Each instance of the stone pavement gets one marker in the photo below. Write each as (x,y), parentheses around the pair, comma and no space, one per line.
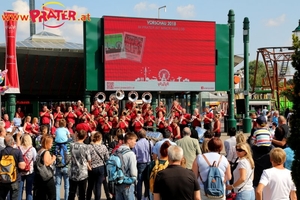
(223,137)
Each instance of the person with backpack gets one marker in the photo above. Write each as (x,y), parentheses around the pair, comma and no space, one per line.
(29,155)
(212,170)
(143,152)
(125,174)
(176,182)
(158,165)
(99,155)
(11,161)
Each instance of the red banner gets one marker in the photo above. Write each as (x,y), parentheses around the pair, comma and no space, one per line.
(159,54)
(12,77)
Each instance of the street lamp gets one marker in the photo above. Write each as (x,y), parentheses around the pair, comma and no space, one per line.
(165,7)
(297,30)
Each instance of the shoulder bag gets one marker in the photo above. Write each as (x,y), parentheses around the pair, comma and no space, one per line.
(44,171)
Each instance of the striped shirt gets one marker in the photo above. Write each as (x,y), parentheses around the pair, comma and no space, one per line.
(262,137)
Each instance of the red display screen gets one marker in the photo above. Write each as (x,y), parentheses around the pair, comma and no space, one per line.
(159,55)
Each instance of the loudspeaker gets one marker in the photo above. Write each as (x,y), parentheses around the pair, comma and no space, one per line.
(240,106)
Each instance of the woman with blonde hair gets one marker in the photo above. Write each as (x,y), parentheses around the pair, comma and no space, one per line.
(27,175)
(240,138)
(243,173)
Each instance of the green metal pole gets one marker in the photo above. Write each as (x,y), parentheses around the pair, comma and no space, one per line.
(11,107)
(231,120)
(246,120)
(87,101)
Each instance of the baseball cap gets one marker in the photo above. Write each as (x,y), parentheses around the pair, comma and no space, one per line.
(261,120)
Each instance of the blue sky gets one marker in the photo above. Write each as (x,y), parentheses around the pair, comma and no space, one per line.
(271,22)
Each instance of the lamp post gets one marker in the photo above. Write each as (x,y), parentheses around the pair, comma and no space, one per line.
(246,120)
(297,30)
(165,7)
(231,120)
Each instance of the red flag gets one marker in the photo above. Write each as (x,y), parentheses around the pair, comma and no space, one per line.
(12,77)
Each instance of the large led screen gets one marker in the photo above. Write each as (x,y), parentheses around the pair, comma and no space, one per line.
(159,54)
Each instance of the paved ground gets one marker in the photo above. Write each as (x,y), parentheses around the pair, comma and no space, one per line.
(223,137)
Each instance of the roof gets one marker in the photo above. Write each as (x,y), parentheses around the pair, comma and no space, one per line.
(47,41)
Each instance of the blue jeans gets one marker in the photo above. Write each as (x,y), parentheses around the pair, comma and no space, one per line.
(125,192)
(95,179)
(29,183)
(245,195)
(140,167)
(59,174)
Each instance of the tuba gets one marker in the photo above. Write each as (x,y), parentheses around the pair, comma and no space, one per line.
(133,96)
(120,94)
(100,97)
(112,96)
(147,97)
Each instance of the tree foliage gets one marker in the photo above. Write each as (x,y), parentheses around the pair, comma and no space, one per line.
(294,139)
(260,73)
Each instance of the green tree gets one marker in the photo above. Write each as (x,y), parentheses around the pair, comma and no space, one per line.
(260,73)
(294,139)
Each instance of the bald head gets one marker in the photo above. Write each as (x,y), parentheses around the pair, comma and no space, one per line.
(186,131)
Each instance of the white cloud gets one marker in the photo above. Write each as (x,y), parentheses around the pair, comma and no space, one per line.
(186,11)
(276,21)
(144,6)
(22,7)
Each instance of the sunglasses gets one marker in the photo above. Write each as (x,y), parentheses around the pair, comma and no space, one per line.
(240,150)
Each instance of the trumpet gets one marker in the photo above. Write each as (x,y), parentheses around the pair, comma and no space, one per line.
(115,113)
(193,118)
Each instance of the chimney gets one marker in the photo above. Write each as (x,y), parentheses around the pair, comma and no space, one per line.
(32,25)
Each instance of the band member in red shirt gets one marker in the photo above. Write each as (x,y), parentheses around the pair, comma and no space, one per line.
(6,121)
(27,125)
(70,116)
(149,121)
(196,119)
(207,119)
(161,108)
(106,128)
(160,122)
(176,108)
(138,122)
(35,126)
(21,113)
(175,129)
(58,115)
(83,125)
(123,124)
(45,115)
(92,123)
(95,108)
(185,118)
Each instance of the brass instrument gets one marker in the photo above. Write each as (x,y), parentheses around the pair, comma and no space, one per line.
(139,112)
(147,97)
(133,96)
(112,96)
(120,94)
(115,113)
(100,97)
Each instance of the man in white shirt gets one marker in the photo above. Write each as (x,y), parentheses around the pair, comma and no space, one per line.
(276,183)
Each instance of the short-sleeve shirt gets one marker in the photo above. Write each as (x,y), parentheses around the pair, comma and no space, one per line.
(16,153)
(80,153)
(262,137)
(176,182)
(278,184)
(247,184)
(31,157)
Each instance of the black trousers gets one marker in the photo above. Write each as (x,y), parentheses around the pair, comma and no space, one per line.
(44,189)
(81,185)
